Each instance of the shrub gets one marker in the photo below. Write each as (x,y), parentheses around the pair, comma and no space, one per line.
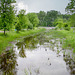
(18,27)
(30,26)
(66,26)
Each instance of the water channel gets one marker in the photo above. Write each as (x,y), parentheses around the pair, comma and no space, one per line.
(36,55)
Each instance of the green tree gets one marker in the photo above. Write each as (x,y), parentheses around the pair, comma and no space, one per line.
(24,20)
(33,19)
(70,8)
(41,15)
(18,27)
(51,16)
(47,19)
(7,14)
(21,17)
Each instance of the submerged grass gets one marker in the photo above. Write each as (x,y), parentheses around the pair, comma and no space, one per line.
(68,37)
(12,35)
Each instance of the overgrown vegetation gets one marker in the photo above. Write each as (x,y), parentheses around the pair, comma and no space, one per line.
(12,35)
(69,38)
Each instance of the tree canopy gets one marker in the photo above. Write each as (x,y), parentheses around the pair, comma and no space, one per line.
(33,19)
(7,14)
(70,8)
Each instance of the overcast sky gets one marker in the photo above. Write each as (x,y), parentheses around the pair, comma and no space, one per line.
(43,5)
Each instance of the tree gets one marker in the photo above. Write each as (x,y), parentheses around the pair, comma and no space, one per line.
(24,20)
(47,19)
(65,16)
(51,16)
(21,17)
(33,19)
(18,27)
(70,8)
(7,14)
(41,15)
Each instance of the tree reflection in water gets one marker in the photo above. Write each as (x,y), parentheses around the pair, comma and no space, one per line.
(28,43)
(8,63)
(70,64)
(21,46)
(8,59)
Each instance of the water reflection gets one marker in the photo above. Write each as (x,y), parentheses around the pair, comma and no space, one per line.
(21,46)
(8,63)
(30,43)
(70,64)
(49,59)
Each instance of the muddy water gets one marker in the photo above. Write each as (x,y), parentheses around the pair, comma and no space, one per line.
(36,55)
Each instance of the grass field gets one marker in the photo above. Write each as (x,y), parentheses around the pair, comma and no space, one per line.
(69,38)
(12,35)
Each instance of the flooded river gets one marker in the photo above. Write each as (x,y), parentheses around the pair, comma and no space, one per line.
(36,55)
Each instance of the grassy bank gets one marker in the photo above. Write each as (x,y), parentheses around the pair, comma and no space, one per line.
(69,38)
(12,35)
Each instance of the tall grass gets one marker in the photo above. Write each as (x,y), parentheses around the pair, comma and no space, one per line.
(12,35)
(69,37)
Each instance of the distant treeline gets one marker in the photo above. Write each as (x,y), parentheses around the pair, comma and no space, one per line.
(48,18)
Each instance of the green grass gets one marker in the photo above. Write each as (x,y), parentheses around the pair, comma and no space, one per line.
(12,35)
(56,34)
(68,42)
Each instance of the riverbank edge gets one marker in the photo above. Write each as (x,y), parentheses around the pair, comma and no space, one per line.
(7,41)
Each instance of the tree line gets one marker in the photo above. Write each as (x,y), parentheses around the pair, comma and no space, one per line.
(48,18)
(9,20)
(58,20)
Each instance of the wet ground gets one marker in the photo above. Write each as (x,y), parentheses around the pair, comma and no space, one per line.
(37,55)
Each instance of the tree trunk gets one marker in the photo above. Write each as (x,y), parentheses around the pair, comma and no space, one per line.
(4,31)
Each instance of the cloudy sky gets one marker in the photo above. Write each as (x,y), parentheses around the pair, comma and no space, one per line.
(43,5)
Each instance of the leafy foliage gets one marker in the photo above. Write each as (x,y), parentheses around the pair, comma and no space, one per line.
(33,19)
(70,8)
(48,19)
(18,27)
(7,14)
(66,26)
(41,16)
(59,23)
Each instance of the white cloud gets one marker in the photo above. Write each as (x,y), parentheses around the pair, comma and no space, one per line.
(21,5)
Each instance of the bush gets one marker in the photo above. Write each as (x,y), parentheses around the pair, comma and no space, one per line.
(66,26)
(30,26)
(18,27)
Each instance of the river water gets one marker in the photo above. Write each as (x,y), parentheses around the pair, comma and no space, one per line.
(36,55)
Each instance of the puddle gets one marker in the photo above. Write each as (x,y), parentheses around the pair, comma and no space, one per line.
(36,55)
